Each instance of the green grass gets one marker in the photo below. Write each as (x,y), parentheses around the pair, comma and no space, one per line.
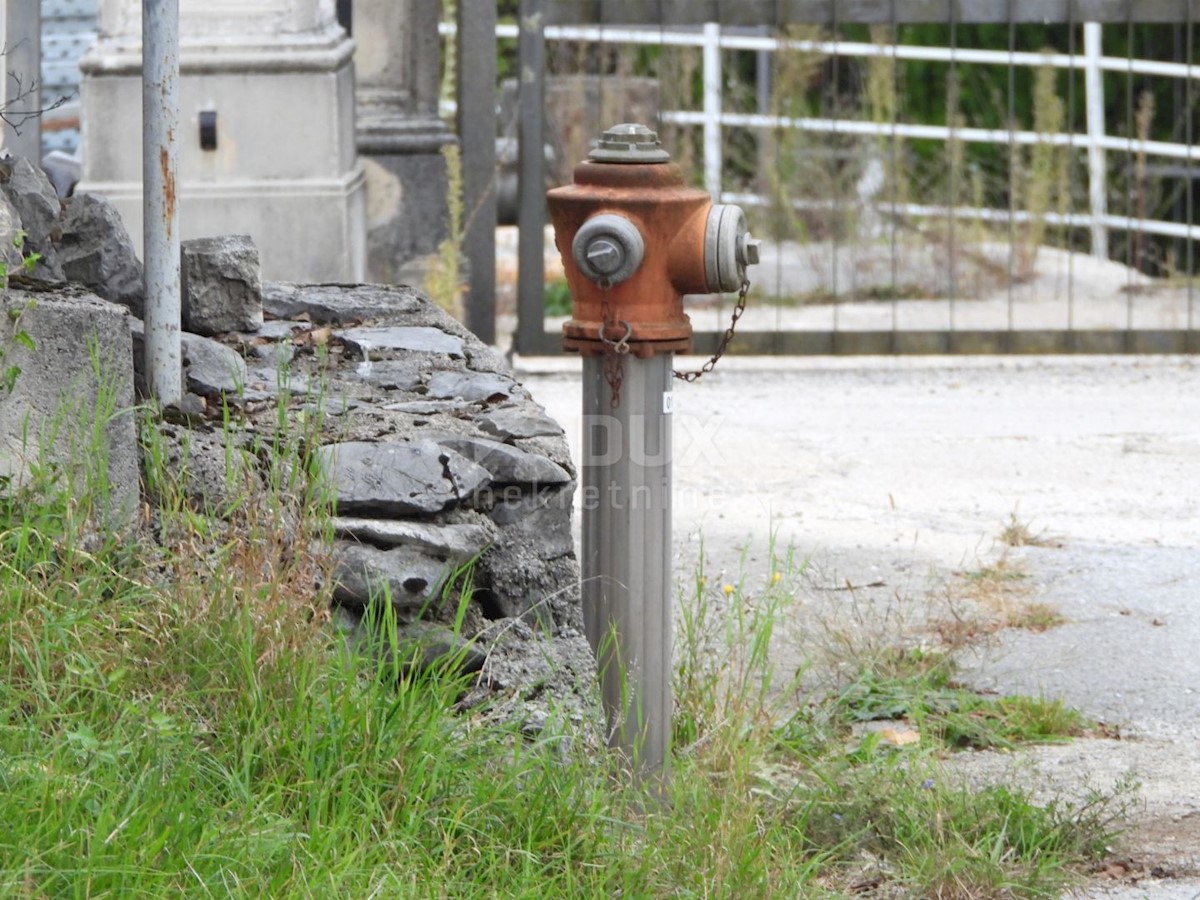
(177,717)
(918,689)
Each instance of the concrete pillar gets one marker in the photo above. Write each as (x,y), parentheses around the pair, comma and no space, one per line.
(400,135)
(267,121)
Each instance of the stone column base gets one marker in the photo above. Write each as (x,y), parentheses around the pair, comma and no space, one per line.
(279,162)
(311,229)
(407,189)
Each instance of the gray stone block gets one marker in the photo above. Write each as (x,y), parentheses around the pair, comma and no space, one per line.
(411,578)
(507,464)
(96,251)
(222,285)
(453,542)
(472,386)
(399,479)
(210,368)
(518,422)
(339,304)
(542,521)
(36,202)
(405,374)
(369,342)
(420,646)
(71,402)
(427,407)
(214,475)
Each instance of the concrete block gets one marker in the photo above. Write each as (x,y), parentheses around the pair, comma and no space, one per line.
(222,285)
(70,406)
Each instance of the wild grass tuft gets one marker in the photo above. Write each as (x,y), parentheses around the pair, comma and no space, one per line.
(1016,533)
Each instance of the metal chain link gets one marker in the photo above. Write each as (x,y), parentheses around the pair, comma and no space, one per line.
(738,309)
(615,351)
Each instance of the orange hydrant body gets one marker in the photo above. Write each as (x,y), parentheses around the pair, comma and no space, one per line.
(634,240)
(671,218)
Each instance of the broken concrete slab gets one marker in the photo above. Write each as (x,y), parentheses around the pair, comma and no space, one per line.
(543,518)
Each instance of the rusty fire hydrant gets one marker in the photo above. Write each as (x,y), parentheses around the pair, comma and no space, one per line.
(634,239)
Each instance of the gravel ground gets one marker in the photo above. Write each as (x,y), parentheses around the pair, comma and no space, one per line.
(893,475)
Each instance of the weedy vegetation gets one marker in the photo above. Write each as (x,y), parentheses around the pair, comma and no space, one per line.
(177,716)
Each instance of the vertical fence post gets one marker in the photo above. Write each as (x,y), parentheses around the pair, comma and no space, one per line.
(1097,170)
(712,109)
(21,94)
(477,133)
(160,210)
(531,210)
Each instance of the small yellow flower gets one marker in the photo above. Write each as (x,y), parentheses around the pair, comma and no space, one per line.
(775,576)
(728,589)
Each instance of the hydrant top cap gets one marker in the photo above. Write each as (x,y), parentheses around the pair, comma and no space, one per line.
(629,143)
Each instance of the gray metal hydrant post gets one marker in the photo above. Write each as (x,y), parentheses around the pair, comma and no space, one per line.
(635,239)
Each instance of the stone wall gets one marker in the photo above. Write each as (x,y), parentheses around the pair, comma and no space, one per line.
(439,462)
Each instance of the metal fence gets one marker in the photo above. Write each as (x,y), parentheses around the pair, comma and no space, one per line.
(1054,214)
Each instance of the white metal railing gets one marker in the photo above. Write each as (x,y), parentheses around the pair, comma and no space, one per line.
(712,118)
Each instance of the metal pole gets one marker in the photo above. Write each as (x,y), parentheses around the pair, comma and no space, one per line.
(627,551)
(1097,169)
(712,109)
(21,97)
(160,214)
(531,160)
(477,133)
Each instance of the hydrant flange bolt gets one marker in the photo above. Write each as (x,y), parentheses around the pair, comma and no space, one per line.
(608,248)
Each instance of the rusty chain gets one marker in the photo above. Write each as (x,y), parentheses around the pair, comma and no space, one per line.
(615,350)
(738,309)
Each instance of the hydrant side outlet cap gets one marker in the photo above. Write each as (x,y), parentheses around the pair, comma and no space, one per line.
(608,248)
(629,143)
(728,248)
